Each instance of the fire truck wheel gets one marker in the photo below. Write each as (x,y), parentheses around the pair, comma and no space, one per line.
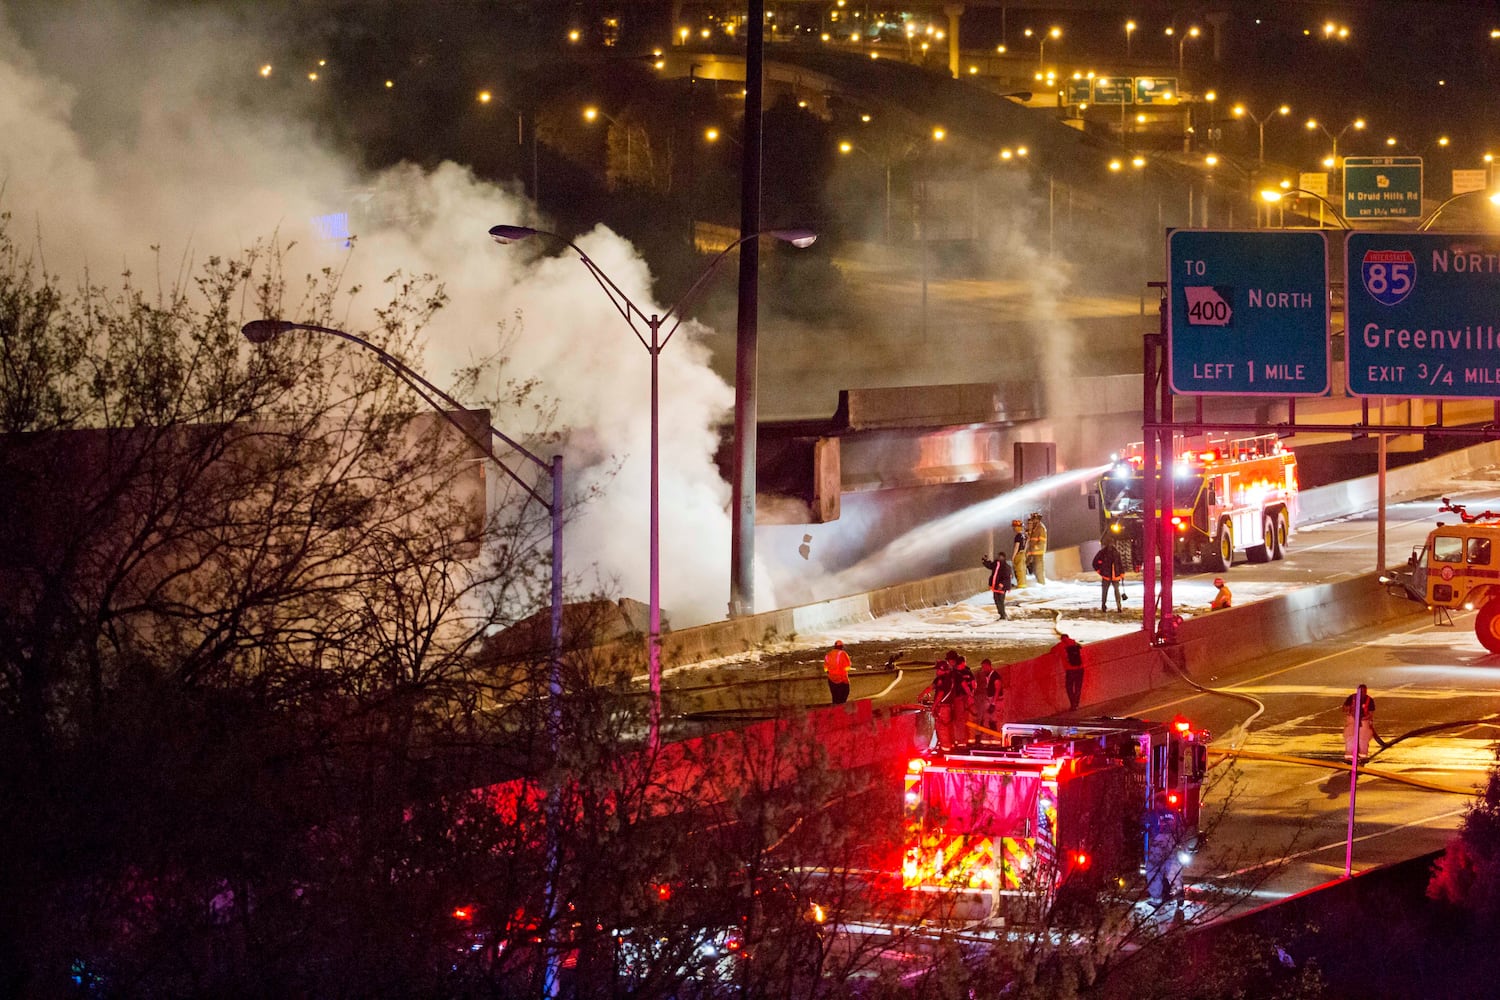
(1262,552)
(1278,550)
(1487,625)
(1222,556)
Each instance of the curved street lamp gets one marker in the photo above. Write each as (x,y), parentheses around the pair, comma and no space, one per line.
(262,331)
(1313,124)
(1493,196)
(1274,196)
(632,314)
(1240,111)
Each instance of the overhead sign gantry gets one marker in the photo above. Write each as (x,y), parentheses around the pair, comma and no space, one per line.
(1246,313)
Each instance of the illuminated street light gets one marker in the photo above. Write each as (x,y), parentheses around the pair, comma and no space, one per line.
(1129,30)
(1273,196)
(1357,124)
(592,114)
(1041,48)
(1493,196)
(632,314)
(1241,111)
(1192,32)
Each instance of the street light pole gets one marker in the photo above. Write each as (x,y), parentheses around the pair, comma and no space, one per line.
(505,234)
(262,331)
(1494,198)
(1357,124)
(1191,33)
(1240,110)
(1274,196)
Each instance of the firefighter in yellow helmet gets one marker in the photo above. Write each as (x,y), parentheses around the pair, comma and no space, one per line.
(1018,552)
(1036,547)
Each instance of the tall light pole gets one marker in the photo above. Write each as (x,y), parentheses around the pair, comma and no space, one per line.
(1181,42)
(1273,196)
(1493,196)
(654,323)
(1041,49)
(1240,111)
(1313,124)
(1129,30)
(262,331)
(591,114)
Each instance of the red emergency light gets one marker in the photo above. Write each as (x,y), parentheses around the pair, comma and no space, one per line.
(1081,859)
(463,913)
(1181,725)
(1173,799)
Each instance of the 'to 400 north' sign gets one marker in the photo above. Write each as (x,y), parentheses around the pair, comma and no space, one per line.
(1247,312)
(1422,315)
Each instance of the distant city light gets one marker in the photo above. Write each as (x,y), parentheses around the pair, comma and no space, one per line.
(265,70)
(485,97)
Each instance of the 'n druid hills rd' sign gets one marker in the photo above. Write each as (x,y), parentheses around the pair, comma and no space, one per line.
(1247,312)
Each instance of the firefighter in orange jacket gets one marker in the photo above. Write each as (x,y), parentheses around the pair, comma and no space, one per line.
(836,664)
(1223,598)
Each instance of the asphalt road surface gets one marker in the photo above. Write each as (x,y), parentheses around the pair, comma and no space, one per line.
(1284,821)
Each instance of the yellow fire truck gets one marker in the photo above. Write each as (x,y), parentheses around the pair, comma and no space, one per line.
(1054,802)
(1458,569)
(1227,495)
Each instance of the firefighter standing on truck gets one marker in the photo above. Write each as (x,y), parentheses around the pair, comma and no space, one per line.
(1018,552)
(1036,547)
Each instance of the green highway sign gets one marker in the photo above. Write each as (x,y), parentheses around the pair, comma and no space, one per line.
(1155,89)
(1080,91)
(1382,187)
(1422,315)
(1113,90)
(1247,312)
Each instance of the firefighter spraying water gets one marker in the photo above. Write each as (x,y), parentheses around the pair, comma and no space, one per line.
(1227,495)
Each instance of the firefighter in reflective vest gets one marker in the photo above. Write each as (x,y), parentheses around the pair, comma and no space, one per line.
(836,665)
(1111,571)
(1000,579)
(1036,547)
(1018,552)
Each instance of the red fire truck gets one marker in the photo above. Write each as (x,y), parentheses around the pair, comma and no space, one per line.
(1227,495)
(1052,801)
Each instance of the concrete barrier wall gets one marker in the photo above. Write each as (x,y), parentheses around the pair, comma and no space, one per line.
(1405,483)
(1128,664)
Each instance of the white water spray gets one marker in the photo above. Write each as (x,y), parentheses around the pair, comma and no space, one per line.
(955,527)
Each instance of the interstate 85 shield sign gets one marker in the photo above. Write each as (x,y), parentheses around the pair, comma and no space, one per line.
(1422,315)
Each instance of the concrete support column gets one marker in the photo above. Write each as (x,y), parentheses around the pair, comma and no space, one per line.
(1216,20)
(954,12)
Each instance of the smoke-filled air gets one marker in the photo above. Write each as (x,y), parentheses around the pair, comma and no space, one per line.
(124,134)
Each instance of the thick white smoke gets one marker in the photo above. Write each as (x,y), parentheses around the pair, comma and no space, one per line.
(123,133)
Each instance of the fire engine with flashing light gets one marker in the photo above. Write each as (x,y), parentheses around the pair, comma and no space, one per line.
(1053,803)
(1457,569)
(1228,494)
